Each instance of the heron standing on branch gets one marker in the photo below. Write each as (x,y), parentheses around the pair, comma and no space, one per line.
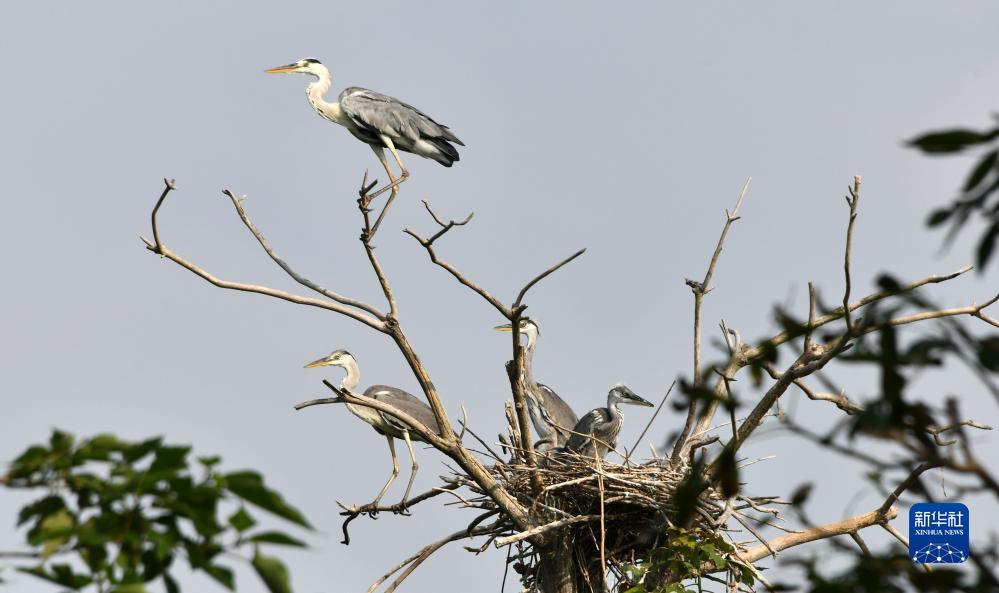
(379,121)
(552,418)
(596,432)
(383,423)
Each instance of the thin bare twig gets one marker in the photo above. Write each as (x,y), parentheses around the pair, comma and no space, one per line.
(649,423)
(542,276)
(237,202)
(936,430)
(852,200)
(542,529)
(839,399)
(700,289)
(159,248)
(811,317)
(842,527)
(460,277)
(168,186)
(416,559)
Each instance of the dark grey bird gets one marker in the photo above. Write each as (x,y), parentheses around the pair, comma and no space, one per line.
(552,418)
(384,424)
(379,121)
(596,432)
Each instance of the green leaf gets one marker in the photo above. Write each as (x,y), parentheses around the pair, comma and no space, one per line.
(636,589)
(939,216)
(130,588)
(241,520)
(221,574)
(31,457)
(949,141)
(986,164)
(53,528)
(211,461)
(988,352)
(170,459)
(249,486)
(728,472)
(61,574)
(171,585)
(40,508)
(276,537)
(272,572)
(136,452)
(987,246)
(800,494)
(60,441)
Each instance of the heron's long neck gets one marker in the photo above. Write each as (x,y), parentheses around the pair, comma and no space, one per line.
(613,411)
(349,383)
(315,92)
(352,379)
(532,342)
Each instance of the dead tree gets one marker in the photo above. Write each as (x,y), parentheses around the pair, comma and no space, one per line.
(586,524)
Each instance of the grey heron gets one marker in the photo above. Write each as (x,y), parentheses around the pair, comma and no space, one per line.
(551,416)
(596,432)
(384,424)
(379,121)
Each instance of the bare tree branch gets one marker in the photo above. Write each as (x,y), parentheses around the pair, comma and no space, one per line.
(367,233)
(543,529)
(159,248)
(428,245)
(851,525)
(237,202)
(852,200)
(700,289)
(839,399)
(416,559)
(837,313)
(542,276)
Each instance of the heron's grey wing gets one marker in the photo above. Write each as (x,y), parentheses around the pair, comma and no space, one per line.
(381,114)
(581,432)
(559,411)
(404,402)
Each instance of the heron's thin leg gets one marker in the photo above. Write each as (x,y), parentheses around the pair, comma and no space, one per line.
(395,470)
(394,185)
(380,153)
(416,466)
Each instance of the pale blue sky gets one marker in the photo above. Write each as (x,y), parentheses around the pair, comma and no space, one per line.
(626,130)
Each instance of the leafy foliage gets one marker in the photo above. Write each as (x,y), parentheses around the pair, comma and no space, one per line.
(980,192)
(888,573)
(687,555)
(119,514)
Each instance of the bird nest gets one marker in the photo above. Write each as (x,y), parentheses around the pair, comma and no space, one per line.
(617,515)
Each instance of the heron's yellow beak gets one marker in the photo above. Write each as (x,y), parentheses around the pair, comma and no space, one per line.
(280,69)
(317,363)
(504,328)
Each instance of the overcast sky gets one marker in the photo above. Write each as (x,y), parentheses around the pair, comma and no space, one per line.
(626,130)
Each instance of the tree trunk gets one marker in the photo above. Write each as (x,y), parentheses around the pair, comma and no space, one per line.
(560,572)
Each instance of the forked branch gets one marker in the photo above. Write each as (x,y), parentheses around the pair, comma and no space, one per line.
(700,289)
(157,246)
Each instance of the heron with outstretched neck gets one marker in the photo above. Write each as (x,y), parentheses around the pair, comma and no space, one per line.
(551,417)
(596,432)
(383,423)
(380,121)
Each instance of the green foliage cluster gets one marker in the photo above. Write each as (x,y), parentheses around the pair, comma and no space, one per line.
(687,555)
(888,573)
(116,515)
(980,192)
